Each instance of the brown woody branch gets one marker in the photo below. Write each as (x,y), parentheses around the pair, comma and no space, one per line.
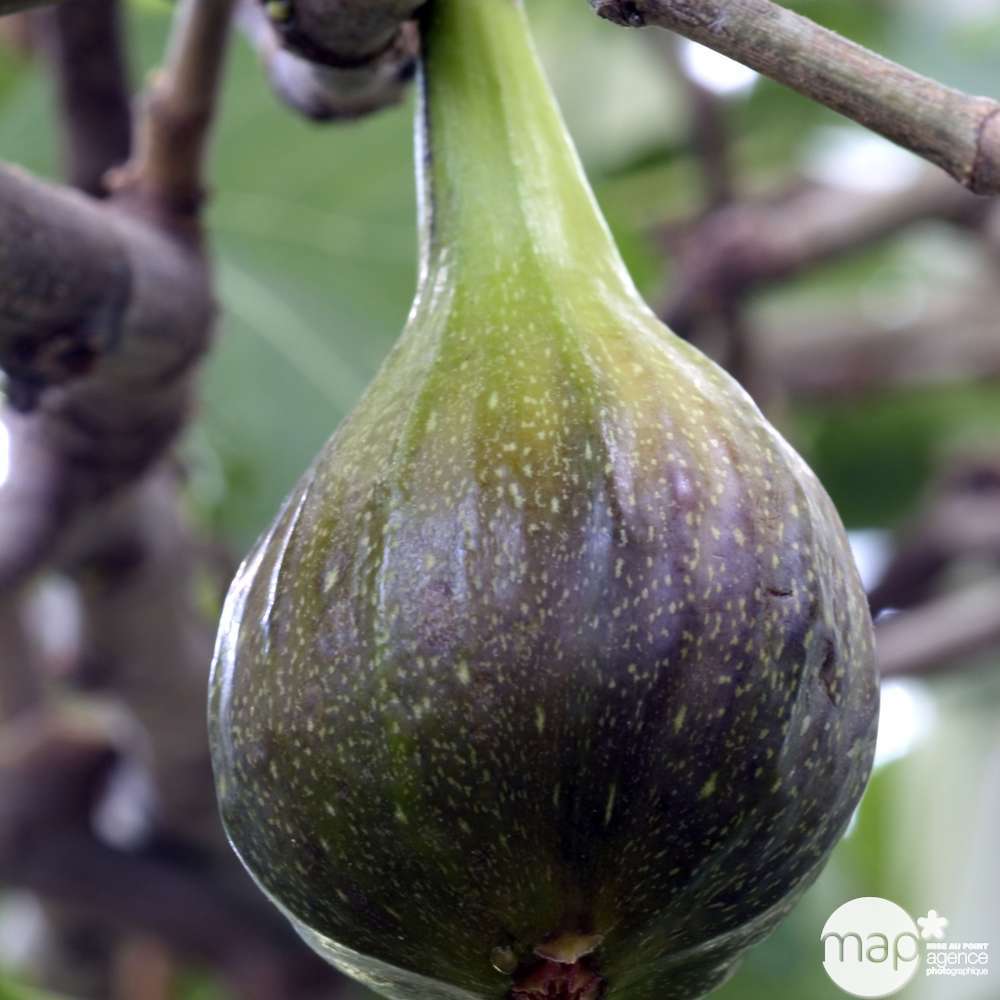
(845,357)
(16,6)
(15,35)
(959,522)
(942,634)
(958,132)
(330,92)
(20,669)
(102,320)
(105,309)
(167,167)
(709,137)
(65,280)
(54,768)
(84,45)
(711,146)
(148,643)
(345,34)
(185,908)
(748,245)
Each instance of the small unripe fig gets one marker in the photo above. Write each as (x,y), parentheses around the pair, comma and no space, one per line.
(554,677)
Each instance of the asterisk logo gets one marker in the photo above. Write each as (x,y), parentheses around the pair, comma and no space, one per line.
(932,926)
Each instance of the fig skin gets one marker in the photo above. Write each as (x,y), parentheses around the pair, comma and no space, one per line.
(496,674)
(558,636)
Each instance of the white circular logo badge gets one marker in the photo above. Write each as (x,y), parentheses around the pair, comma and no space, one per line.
(871,947)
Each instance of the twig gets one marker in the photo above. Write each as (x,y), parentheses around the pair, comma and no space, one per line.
(16,6)
(958,132)
(83,41)
(726,310)
(102,321)
(959,521)
(327,93)
(35,504)
(149,645)
(105,310)
(53,769)
(844,357)
(344,34)
(187,909)
(710,140)
(20,671)
(143,970)
(65,281)
(747,245)
(942,634)
(91,296)
(102,315)
(166,172)
(15,35)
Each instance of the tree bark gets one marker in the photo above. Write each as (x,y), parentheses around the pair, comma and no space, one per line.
(958,132)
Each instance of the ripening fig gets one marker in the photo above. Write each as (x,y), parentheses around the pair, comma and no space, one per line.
(554,677)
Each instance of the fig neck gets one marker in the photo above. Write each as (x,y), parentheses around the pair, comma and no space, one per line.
(501,188)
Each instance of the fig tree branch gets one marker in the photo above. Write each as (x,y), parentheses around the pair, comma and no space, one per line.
(710,141)
(15,35)
(958,132)
(344,34)
(959,521)
(53,769)
(941,634)
(324,92)
(102,321)
(105,309)
(188,909)
(747,245)
(20,676)
(64,281)
(88,294)
(83,42)
(166,172)
(16,6)
(823,358)
(711,146)
(149,644)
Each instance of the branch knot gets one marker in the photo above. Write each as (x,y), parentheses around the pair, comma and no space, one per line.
(985,176)
(623,12)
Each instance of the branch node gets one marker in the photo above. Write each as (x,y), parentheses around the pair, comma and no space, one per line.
(297,40)
(323,86)
(622,12)
(985,177)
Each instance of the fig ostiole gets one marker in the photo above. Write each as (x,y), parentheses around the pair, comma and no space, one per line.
(554,677)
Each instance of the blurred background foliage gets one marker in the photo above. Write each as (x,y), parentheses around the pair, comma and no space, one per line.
(314,234)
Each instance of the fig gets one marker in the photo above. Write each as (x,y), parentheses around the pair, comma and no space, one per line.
(554,677)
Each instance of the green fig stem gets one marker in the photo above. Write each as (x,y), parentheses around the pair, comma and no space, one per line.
(501,185)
